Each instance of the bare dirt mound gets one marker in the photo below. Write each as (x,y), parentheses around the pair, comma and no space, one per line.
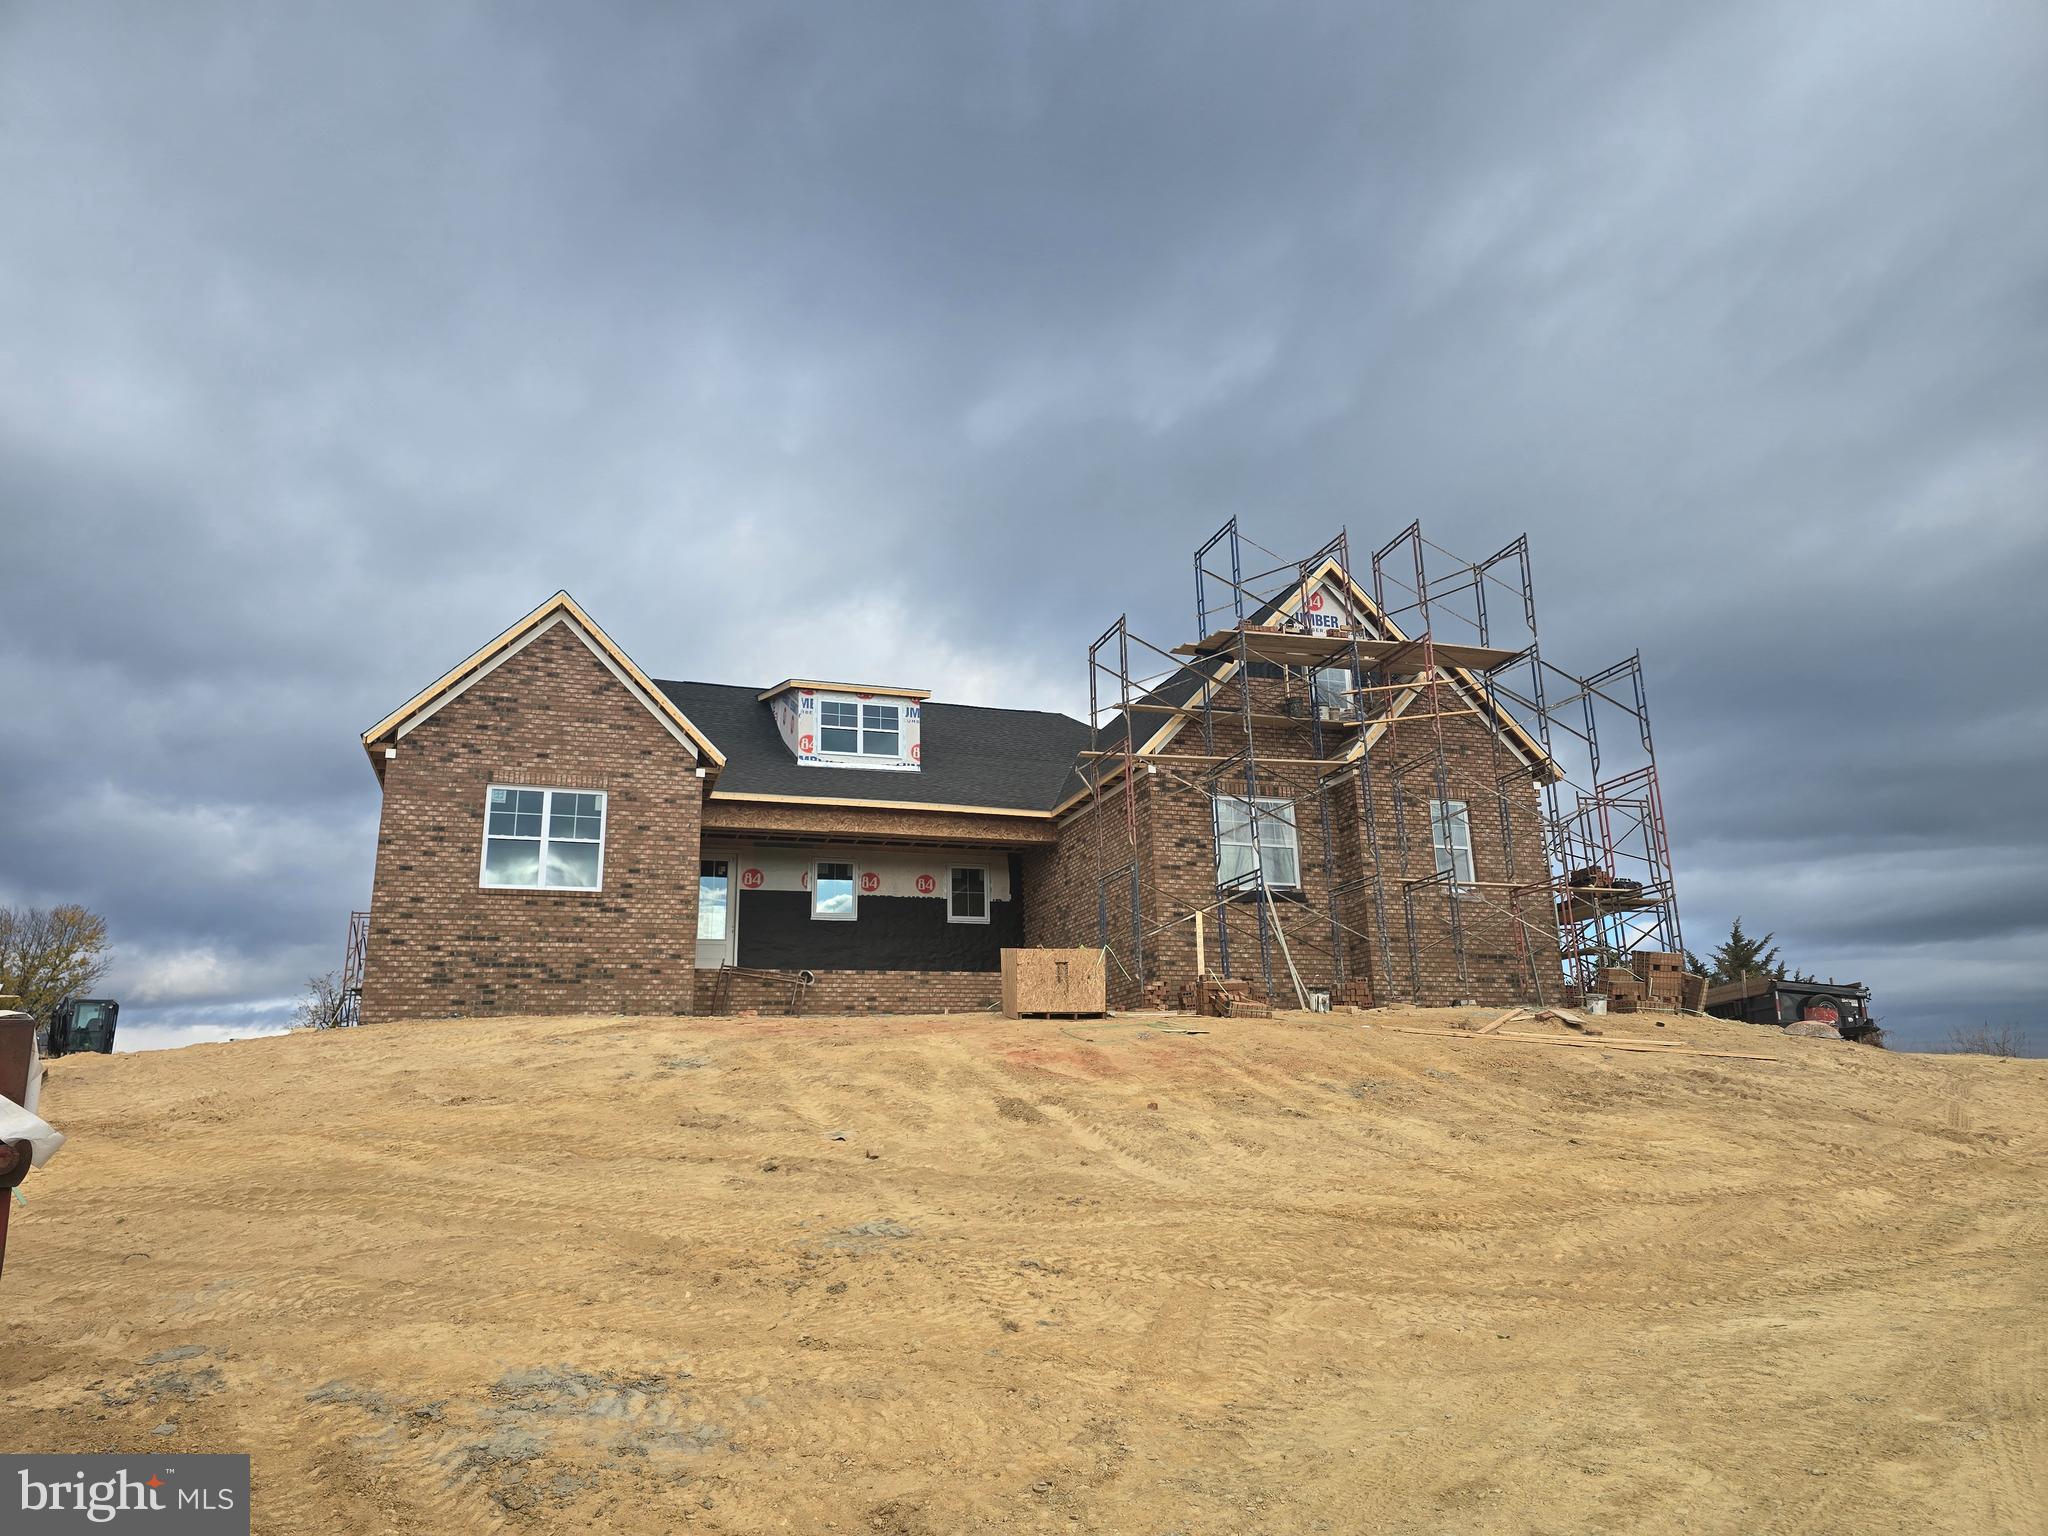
(946,1275)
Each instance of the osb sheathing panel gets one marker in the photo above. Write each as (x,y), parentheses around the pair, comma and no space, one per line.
(850,821)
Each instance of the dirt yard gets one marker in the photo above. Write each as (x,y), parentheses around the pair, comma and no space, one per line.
(963,1274)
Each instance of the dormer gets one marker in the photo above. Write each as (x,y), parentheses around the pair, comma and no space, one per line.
(850,725)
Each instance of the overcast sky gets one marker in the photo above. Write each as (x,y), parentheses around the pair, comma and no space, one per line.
(919,341)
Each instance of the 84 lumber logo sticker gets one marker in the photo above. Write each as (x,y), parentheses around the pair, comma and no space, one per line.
(157,1495)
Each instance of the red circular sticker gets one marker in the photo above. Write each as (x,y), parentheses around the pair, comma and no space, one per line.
(803,743)
(926,885)
(1315,601)
(752,879)
(917,751)
(870,882)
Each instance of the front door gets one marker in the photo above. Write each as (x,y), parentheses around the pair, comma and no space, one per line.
(717,915)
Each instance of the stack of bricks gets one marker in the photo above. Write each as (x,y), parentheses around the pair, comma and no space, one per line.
(1693,993)
(1625,991)
(1662,975)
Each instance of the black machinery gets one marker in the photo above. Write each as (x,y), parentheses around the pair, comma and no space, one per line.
(81,1024)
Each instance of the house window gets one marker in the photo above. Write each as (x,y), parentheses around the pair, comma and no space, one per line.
(1334,687)
(1450,829)
(879,733)
(550,839)
(832,898)
(967,901)
(714,896)
(1257,837)
(860,730)
(838,726)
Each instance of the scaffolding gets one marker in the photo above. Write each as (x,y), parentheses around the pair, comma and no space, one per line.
(352,963)
(1369,672)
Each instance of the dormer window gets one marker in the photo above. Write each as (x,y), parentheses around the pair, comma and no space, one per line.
(880,730)
(838,726)
(850,725)
(869,730)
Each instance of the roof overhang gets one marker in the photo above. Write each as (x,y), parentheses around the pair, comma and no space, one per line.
(879,690)
(559,610)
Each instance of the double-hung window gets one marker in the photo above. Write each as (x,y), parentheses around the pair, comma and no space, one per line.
(832,892)
(967,895)
(880,730)
(838,725)
(1450,829)
(1257,837)
(543,839)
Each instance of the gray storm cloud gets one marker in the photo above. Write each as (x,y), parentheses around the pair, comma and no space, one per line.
(930,338)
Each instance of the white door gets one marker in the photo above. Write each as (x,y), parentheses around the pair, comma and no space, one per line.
(718,934)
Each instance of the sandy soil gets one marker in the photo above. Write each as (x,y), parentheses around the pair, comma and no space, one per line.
(947,1275)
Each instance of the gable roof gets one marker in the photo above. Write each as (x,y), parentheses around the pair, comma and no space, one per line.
(560,609)
(1159,725)
(1009,760)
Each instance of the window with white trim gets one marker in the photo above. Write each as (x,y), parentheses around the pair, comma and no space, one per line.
(1450,830)
(543,839)
(881,730)
(967,894)
(832,892)
(1257,837)
(838,726)
(714,897)
(852,729)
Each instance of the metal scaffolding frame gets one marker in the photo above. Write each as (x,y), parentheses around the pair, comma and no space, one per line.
(1450,638)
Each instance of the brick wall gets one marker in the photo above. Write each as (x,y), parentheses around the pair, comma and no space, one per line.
(838,992)
(1064,896)
(552,716)
(1176,848)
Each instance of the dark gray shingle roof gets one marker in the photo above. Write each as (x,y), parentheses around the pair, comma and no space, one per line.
(1010,759)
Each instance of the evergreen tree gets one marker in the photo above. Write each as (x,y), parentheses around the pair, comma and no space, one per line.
(1740,956)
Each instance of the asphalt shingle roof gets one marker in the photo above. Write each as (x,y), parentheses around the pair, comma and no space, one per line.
(1009,759)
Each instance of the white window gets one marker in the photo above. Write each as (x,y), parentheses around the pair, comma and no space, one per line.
(880,730)
(1334,687)
(967,895)
(832,895)
(860,730)
(838,726)
(1257,836)
(1450,829)
(714,895)
(550,839)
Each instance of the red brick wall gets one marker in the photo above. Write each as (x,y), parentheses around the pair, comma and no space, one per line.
(861,992)
(553,716)
(1176,846)
(1063,888)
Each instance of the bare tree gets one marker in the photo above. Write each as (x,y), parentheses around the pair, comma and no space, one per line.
(1988,1040)
(50,953)
(323,1005)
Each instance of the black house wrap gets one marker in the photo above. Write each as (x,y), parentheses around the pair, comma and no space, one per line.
(891,933)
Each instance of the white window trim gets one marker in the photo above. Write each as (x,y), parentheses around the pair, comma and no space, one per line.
(725,928)
(988,899)
(1457,819)
(1253,822)
(835,917)
(860,729)
(547,811)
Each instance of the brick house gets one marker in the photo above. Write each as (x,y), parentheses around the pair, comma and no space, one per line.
(562,833)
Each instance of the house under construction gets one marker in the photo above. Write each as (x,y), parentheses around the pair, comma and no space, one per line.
(1366,779)
(1353,780)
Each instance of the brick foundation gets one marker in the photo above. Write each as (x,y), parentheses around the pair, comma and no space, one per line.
(854,992)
